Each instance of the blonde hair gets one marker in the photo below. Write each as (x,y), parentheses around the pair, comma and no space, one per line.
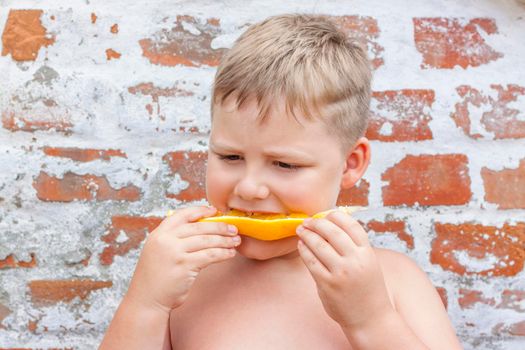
(307,60)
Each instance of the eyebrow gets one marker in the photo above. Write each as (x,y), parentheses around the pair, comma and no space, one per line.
(272,153)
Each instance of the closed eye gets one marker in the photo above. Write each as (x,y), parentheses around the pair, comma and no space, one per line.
(286,166)
(229,157)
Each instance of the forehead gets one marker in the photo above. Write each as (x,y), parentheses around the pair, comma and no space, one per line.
(249,113)
(242,128)
(276,109)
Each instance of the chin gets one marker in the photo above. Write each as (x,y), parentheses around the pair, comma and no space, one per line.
(252,248)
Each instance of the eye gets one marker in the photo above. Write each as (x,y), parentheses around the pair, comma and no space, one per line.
(286,166)
(229,157)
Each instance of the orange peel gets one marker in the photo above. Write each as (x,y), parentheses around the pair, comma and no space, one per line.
(269,227)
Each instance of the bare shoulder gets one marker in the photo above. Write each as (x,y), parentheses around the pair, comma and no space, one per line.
(403,276)
(388,256)
(397,264)
(417,300)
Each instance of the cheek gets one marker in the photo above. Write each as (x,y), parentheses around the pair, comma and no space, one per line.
(217,184)
(298,195)
(311,193)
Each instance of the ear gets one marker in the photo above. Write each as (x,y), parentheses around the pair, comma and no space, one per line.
(357,160)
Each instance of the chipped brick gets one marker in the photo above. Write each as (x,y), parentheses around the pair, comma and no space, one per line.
(191,168)
(81,187)
(481,115)
(135,229)
(24,35)
(12,262)
(506,188)
(49,292)
(183,46)
(366,31)
(149,89)
(471,297)
(112,54)
(401,115)
(14,122)
(396,227)
(428,180)
(474,249)
(83,155)
(449,42)
(357,195)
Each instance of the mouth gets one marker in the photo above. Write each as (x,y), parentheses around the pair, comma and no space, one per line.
(255,214)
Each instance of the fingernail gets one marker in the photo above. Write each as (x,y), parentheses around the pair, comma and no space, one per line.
(299,229)
(237,239)
(307,221)
(232,228)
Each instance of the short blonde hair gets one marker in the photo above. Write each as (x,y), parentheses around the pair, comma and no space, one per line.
(307,60)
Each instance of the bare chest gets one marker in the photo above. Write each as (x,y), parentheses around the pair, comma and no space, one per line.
(257,311)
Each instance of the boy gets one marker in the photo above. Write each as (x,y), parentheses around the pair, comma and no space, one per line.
(290,107)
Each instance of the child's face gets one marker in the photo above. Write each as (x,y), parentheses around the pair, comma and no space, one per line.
(277,166)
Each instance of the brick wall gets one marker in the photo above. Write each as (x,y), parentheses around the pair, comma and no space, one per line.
(104,121)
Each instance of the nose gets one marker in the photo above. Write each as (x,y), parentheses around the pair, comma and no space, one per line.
(251,187)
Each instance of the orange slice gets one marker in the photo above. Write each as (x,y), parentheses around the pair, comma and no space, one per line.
(269,227)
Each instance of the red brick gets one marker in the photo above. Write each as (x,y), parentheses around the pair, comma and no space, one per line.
(513,300)
(449,42)
(506,188)
(443,295)
(501,249)
(178,46)
(428,180)
(11,262)
(493,114)
(191,167)
(28,121)
(515,329)
(49,292)
(396,227)
(135,228)
(148,89)
(83,154)
(404,112)
(471,297)
(366,31)
(112,54)
(357,195)
(24,35)
(4,312)
(32,326)
(81,187)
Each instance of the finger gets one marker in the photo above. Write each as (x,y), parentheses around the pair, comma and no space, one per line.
(351,226)
(206,228)
(316,268)
(189,214)
(322,250)
(332,233)
(199,242)
(205,257)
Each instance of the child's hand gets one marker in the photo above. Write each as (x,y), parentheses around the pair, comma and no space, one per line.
(345,268)
(174,254)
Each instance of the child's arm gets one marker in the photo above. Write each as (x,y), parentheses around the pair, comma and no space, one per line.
(350,279)
(419,314)
(138,327)
(172,257)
